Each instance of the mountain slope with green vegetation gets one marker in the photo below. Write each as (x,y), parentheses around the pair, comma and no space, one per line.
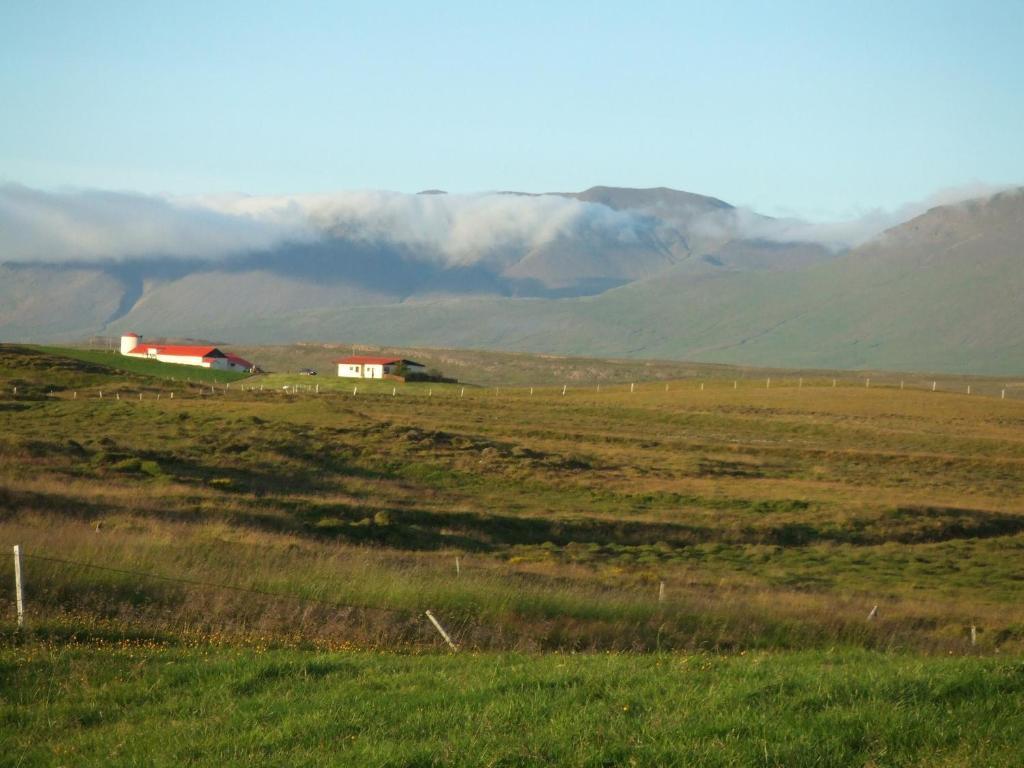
(942,292)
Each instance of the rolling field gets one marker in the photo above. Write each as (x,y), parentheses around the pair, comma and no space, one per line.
(230,535)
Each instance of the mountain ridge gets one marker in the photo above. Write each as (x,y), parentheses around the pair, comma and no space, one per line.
(939,292)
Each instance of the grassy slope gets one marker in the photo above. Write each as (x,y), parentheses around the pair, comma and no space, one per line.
(149,368)
(138,705)
(940,293)
(775,517)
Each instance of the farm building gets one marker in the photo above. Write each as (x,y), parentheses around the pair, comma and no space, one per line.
(203,356)
(363,367)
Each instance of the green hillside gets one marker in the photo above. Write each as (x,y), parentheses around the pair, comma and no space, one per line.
(941,292)
(150,368)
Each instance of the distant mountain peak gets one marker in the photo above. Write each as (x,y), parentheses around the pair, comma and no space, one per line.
(632,198)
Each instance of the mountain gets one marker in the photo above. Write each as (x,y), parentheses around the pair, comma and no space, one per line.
(681,276)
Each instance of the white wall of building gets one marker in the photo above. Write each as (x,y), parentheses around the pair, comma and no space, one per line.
(350,371)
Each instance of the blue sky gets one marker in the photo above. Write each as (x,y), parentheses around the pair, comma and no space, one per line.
(817,109)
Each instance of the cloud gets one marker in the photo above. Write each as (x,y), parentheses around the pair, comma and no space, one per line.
(90,225)
(459,229)
(490,228)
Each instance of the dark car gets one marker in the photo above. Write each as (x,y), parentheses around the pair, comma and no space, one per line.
(307,372)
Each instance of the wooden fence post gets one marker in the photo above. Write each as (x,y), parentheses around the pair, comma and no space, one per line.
(661,592)
(19,597)
(439,628)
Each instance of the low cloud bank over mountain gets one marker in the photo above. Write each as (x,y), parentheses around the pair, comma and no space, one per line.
(610,271)
(452,230)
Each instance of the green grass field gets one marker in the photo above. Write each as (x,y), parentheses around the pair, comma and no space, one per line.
(137,705)
(609,543)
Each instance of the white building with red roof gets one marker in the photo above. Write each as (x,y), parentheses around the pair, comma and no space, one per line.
(369,367)
(202,355)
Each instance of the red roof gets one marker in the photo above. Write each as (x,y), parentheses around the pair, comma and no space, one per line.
(364,360)
(239,361)
(176,350)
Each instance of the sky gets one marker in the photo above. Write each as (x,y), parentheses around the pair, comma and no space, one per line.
(810,109)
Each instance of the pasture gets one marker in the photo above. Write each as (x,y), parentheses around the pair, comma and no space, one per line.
(615,531)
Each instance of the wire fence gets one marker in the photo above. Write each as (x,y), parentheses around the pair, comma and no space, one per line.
(1012,390)
(45,601)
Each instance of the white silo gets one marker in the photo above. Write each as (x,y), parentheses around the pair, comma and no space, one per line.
(129,341)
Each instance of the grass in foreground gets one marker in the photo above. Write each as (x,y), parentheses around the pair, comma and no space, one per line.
(138,705)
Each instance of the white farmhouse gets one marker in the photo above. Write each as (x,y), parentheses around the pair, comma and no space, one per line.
(363,367)
(203,356)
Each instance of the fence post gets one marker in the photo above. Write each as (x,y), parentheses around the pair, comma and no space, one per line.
(661,592)
(439,628)
(19,597)
(458,568)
